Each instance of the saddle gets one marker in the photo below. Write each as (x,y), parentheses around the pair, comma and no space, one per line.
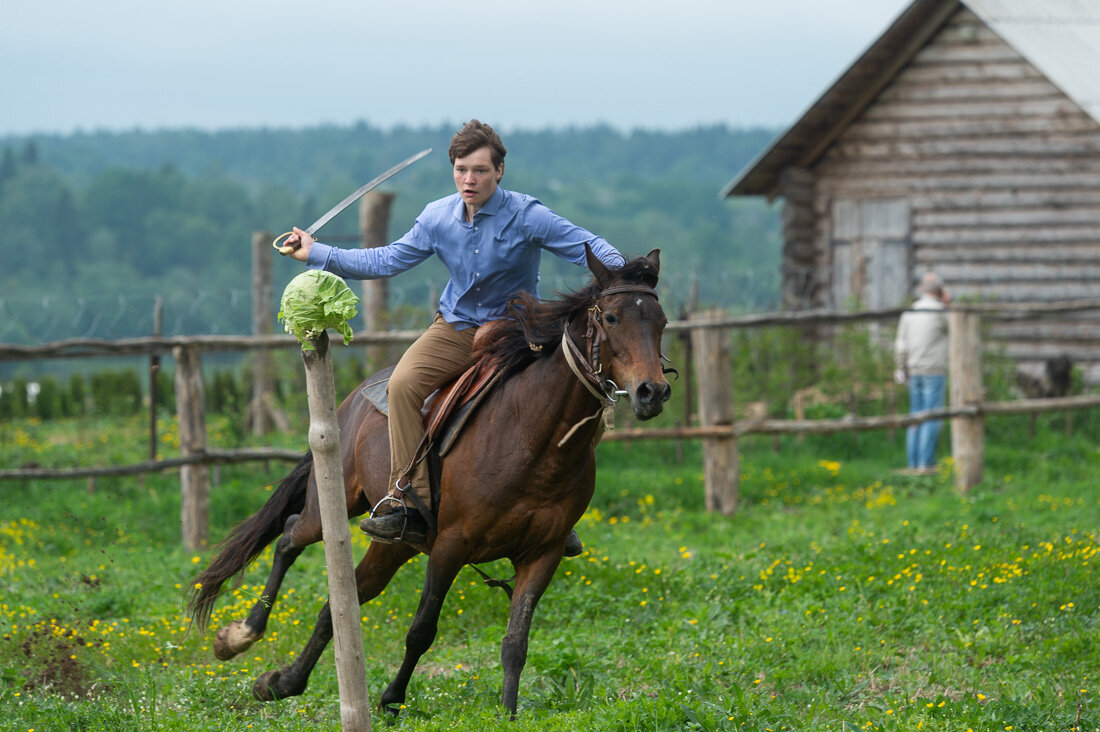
(445,412)
(447,409)
(457,399)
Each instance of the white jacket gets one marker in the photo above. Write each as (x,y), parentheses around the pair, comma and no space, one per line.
(921,345)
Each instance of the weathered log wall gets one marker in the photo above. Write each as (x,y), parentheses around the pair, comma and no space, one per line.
(1001,173)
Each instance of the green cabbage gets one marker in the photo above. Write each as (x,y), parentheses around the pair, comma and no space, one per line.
(314,301)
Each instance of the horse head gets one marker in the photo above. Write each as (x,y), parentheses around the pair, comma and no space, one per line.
(625,324)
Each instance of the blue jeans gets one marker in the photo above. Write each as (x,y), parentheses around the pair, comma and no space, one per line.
(925,392)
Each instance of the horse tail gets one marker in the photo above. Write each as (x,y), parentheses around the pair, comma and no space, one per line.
(247,540)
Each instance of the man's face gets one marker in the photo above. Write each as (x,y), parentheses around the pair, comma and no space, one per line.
(476,178)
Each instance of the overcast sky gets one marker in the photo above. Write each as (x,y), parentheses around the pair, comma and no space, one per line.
(69,65)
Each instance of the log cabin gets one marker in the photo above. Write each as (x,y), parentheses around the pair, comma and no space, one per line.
(965,139)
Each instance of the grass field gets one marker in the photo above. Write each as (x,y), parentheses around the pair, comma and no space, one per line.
(840,597)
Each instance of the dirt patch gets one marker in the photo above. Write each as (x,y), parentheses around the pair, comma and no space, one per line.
(51,663)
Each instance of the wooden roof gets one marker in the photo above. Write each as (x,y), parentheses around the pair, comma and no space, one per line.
(1061,38)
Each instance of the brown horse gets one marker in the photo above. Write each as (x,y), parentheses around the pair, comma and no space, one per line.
(513,485)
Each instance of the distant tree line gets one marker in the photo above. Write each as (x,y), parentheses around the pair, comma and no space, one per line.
(172,212)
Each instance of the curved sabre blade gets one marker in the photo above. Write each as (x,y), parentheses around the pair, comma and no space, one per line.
(370,185)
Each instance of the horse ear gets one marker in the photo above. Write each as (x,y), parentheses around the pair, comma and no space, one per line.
(654,258)
(598,269)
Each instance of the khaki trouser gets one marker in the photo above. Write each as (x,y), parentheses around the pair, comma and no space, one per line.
(439,355)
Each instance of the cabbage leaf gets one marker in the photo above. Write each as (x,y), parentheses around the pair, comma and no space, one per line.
(314,301)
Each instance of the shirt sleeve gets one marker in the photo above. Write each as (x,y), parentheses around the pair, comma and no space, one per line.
(564,239)
(373,262)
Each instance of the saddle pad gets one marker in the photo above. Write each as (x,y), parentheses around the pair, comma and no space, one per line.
(375,390)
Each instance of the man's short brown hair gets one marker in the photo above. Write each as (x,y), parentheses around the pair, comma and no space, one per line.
(473,136)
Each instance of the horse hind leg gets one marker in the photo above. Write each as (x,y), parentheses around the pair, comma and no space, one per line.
(239,635)
(372,575)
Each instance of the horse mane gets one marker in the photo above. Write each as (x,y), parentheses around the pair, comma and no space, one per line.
(533,328)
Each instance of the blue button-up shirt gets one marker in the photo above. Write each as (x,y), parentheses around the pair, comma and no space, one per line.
(490,259)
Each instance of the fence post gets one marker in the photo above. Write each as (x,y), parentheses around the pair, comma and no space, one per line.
(721,461)
(324,441)
(194,482)
(374,221)
(154,369)
(262,318)
(965,375)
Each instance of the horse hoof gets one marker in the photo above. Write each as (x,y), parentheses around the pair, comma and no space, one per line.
(391,702)
(264,687)
(573,545)
(233,639)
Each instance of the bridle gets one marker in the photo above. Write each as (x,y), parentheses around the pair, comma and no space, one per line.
(588,367)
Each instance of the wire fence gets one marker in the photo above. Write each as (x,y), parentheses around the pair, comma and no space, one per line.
(55,317)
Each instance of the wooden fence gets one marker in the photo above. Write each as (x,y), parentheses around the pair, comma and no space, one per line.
(717,426)
(967,406)
(195,454)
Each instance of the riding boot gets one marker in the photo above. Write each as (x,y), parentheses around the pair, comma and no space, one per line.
(573,545)
(394,521)
(404,524)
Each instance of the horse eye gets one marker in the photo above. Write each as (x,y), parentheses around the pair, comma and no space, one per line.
(610,319)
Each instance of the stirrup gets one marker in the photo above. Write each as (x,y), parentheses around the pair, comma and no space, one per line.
(390,498)
(396,527)
(387,499)
(404,509)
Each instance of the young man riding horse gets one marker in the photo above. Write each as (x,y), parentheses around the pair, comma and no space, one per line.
(520,477)
(491,241)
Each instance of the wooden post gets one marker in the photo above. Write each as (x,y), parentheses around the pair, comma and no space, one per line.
(262,317)
(965,375)
(800,412)
(154,368)
(721,462)
(324,441)
(194,482)
(374,222)
(688,365)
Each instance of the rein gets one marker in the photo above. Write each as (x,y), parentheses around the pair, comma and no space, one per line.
(589,369)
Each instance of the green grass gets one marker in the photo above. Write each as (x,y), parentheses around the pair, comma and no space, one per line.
(840,597)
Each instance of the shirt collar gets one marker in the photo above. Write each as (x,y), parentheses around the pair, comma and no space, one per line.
(491,207)
(494,203)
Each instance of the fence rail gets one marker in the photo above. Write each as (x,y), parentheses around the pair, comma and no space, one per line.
(159,345)
(740,428)
(206,457)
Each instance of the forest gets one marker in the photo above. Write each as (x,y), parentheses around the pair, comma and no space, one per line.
(105,222)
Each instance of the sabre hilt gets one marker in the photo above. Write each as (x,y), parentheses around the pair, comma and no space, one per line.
(284,249)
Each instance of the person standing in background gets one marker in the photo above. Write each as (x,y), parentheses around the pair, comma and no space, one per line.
(920,355)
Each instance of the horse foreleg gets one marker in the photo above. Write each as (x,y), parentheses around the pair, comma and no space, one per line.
(531,581)
(239,635)
(437,581)
(371,577)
